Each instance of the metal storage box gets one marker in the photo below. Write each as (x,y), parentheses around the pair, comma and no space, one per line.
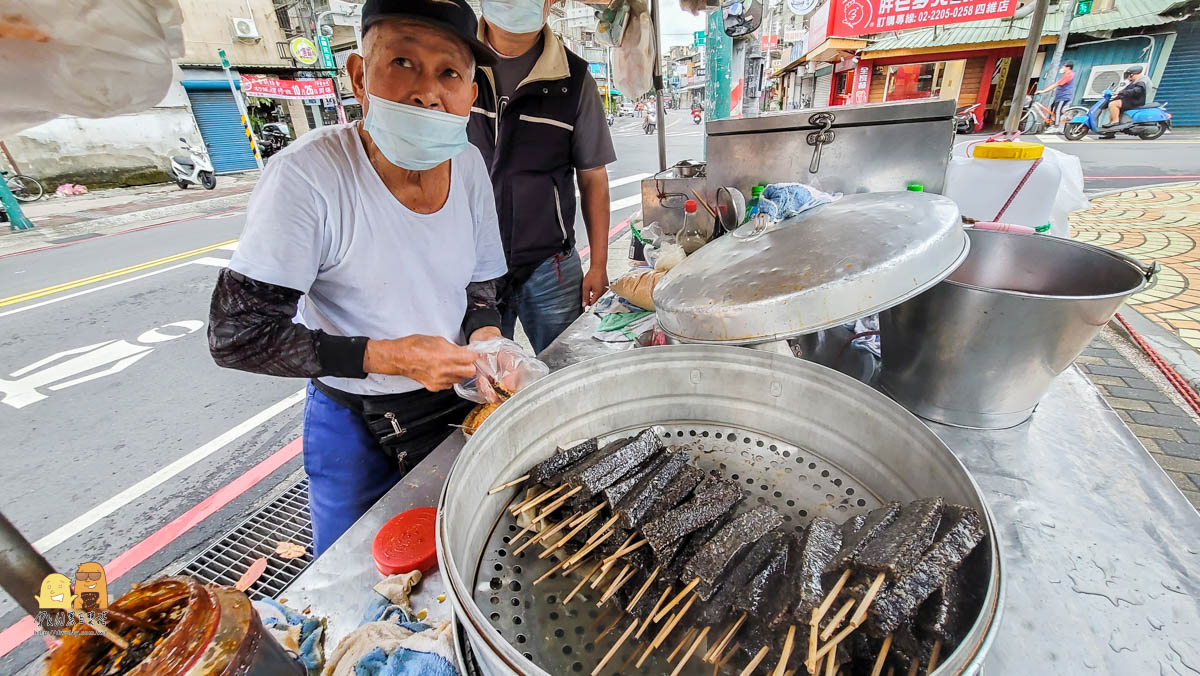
(876,147)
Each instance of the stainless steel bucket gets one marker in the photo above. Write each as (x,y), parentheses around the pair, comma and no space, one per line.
(806,439)
(981,348)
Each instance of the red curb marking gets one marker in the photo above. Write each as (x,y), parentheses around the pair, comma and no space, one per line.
(612,233)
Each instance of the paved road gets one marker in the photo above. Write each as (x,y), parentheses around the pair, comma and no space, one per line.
(117,422)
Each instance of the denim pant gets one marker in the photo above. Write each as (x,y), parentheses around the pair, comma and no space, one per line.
(547,302)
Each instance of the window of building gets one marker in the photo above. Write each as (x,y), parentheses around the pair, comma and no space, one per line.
(914,81)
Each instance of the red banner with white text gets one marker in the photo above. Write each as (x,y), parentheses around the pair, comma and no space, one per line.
(849,18)
(273,88)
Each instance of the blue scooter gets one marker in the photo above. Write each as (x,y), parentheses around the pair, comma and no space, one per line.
(1148,122)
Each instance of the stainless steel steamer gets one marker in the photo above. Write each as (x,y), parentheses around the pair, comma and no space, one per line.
(804,438)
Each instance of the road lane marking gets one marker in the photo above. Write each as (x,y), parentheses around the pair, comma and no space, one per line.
(209,260)
(67,286)
(624,203)
(229,247)
(168,471)
(59,299)
(622,181)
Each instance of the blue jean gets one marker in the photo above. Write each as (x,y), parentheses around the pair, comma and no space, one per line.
(547,302)
(347,470)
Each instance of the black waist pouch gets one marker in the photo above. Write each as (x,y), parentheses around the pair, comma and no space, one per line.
(408,426)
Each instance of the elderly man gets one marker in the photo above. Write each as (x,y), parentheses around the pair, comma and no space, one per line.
(384,234)
(539,124)
(1130,97)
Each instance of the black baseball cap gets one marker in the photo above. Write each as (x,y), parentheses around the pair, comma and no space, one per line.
(454,16)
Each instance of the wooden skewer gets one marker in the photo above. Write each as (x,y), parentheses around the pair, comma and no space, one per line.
(790,672)
(534,502)
(669,626)
(883,653)
(545,533)
(819,612)
(787,652)
(625,549)
(616,646)
(609,561)
(510,484)
(912,667)
(716,650)
(837,620)
(553,569)
(704,204)
(570,534)
(686,637)
(610,627)
(620,582)
(585,551)
(933,656)
(675,601)
(811,662)
(650,617)
(595,510)
(762,652)
(581,583)
(603,528)
(115,638)
(603,573)
(531,494)
(891,671)
(720,664)
(691,651)
(861,613)
(838,638)
(133,620)
(642,590)
(831,663)
(549,509)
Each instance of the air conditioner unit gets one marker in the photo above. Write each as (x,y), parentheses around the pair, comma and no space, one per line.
(1107,76)
(244,29)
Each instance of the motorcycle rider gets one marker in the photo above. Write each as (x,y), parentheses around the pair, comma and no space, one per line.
(1130,97)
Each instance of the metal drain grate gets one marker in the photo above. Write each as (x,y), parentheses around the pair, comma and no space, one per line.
(283,519)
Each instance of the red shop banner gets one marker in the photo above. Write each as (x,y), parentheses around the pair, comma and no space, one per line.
(273,88)
(858,17)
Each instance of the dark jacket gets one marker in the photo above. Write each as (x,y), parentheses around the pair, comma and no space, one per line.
(526,143)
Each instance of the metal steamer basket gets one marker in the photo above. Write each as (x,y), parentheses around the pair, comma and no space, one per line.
(805,439)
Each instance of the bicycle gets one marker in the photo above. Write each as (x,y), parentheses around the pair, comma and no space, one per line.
(24,188)
(1038,117)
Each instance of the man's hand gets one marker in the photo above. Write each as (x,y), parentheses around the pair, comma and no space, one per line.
(485,333)
(432,361)
(595,283)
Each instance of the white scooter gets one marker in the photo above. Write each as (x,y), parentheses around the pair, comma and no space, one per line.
(195,167)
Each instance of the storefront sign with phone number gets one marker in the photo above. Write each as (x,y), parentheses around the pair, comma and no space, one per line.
(849,18)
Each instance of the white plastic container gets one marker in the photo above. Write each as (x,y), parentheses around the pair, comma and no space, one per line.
(982,183)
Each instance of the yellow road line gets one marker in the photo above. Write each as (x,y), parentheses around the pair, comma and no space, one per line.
(66,286)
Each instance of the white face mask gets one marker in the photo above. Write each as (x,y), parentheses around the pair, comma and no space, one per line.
(412,137)
(514,16)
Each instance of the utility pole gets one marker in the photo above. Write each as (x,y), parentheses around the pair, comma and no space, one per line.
(1031,47)
(1061,46)
(237,98)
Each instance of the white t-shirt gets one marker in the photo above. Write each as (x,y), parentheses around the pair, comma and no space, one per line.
(321,221)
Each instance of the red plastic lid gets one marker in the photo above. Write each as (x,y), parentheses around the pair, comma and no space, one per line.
(407,542)
(690,206)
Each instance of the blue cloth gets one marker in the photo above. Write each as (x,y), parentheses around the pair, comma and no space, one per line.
(547,302)
(403,662)
(784,200)
(347,470)
(312,632)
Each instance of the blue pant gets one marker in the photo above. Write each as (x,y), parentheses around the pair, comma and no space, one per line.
(347,470)
(547,302)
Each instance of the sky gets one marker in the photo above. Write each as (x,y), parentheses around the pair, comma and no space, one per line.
(678,25)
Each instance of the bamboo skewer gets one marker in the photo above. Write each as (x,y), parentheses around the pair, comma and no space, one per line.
(691,651)
(609,561)
(811,663)
(675,601)
(819,611)
(625,549)
(604,528)
(933,656)
(720,664)
(704,204)
(861,613)
(912,667)
(642,590)
(610,627)
(650,617)
(831,663)
(596,582)
(590,512)
(716,650)
(762,652)
(535,500)
(115,638)
(613,650)
(837,620)
(787,652)
(544,534)
(570,534)
(553,569)
(581,583)
(669,626)
(585,551)
(626,573)
(686,637)
(509,484)
(883,653)
(549,509)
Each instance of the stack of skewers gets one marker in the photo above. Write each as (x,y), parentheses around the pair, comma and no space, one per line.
(882,593)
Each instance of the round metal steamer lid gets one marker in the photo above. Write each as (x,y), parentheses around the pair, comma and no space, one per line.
(832,265)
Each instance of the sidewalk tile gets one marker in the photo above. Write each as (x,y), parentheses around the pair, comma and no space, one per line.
(1110,381)
(1131,405)
(1180,450)
(1166,408)
(1190,436)
(1185,465)
(1195,479)
(1144,395)
(1116,371)
(1089,360)
(1154,432)
(1160,420)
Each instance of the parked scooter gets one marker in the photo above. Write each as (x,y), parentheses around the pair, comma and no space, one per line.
(273,138)
(965,119)
(195,167)
(1148,122)
(697,117)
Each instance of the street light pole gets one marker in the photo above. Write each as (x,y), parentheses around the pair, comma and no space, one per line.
(655,16)
(1063,34)
(1031,46)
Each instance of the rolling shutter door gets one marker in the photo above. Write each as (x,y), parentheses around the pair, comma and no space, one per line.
(1180,84)
(821,95)
(221,128)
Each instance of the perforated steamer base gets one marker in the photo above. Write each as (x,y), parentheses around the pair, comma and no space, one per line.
(563,639)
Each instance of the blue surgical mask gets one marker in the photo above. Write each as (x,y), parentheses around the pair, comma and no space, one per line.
(412,137)
(514,16)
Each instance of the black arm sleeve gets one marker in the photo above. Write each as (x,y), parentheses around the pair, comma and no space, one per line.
(482,306)
(250,328)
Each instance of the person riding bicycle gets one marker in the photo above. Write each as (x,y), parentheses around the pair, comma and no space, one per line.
(1130,97)
(1064,91)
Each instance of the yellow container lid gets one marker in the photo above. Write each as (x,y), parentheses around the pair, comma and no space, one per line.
(1009,150)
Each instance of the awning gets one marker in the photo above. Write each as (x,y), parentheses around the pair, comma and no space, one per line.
(790,67)
(691,86)
(829,50)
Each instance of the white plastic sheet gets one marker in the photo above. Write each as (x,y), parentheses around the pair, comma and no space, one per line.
(633,61)
(1070,195)
(90,58)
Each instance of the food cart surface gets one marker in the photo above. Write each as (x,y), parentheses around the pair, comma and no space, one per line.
(1101,552)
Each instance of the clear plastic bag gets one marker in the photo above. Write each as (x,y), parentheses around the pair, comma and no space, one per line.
(784,200)
(502,369)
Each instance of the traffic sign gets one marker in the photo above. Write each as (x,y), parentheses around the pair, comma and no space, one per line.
(1083,7)
(326,52)
(698,39)
(224,61)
